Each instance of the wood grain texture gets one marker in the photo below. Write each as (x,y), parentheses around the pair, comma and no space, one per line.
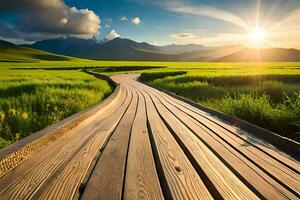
(263,183)
(228,185)
(255,155)
(141,177)
(182,179)
(106,181)
(65,183)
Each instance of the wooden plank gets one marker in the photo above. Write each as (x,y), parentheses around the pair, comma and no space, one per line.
(272,166)
(264,161)
(66,183)
(266,186)
(141,180)
(182,181)
(226,182)
(24,186)
(106,181)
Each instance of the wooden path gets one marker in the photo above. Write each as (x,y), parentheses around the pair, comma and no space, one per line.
(144,144)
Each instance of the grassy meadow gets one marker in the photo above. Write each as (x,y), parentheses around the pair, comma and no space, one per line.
(13,53)
(270,99)
(35,95)
(34,99)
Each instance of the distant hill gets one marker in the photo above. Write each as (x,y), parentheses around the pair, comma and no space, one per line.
(263,55)
(13,53)
(116,49)
(125,49)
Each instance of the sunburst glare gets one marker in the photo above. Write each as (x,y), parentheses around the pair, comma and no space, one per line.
(257,35)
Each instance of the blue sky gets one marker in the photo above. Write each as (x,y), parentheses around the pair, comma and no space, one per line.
(159,22)
(209,22)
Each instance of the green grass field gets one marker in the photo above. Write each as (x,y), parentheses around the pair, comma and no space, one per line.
(35,95)
(34,99)
(16,54)
(270,99)
(207,67)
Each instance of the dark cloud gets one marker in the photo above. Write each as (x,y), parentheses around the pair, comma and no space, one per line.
(43,19)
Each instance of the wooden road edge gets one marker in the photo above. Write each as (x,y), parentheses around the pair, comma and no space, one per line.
(282,143)
(14,154)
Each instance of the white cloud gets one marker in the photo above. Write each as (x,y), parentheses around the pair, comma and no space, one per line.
(182,35)
(44,19)
(107,26)
(136,21)
(123,18)
(112,35)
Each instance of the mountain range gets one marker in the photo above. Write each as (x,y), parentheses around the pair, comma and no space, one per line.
(121,49)
(126,49)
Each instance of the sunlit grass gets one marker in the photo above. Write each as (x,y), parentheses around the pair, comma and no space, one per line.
(209,68)
(271,101)
(151,76)
(31,100)
(259,109)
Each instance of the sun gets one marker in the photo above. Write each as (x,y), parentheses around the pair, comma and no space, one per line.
(257,35)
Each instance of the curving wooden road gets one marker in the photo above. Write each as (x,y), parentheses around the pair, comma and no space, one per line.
(144,144)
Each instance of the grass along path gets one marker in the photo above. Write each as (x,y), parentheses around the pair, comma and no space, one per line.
(34,99)
(270,101)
